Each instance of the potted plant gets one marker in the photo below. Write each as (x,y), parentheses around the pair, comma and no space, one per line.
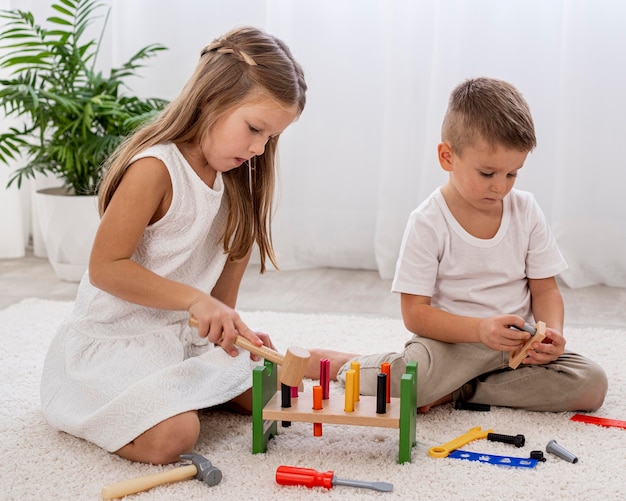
(73,116)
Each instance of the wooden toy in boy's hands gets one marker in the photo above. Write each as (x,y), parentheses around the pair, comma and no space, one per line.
(537,335)
(293,363)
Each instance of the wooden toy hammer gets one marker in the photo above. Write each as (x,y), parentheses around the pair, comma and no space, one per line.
(201,468)
(293,363)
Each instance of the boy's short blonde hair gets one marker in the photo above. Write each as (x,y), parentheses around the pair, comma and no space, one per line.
(491,110)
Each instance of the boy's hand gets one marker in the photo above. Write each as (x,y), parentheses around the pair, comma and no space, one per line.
(496,332)
(547,351)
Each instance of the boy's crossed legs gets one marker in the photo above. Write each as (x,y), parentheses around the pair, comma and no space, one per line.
(474,373)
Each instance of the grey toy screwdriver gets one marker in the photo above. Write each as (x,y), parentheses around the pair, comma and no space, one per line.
(527,327)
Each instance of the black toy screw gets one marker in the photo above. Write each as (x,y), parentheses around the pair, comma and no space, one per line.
(517,440)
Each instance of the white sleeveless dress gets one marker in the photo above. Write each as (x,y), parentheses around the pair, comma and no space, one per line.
(114,368)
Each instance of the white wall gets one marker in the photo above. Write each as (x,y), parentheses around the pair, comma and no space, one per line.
(380,72)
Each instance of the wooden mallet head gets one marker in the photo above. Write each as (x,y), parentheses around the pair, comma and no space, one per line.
(293,363)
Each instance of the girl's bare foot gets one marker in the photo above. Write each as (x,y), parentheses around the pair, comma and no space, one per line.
(337,360)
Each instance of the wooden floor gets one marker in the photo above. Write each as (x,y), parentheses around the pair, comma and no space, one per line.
(320,290)
(307,291)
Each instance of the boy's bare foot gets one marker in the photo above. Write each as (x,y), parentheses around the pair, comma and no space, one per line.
(337,360)
(444,400)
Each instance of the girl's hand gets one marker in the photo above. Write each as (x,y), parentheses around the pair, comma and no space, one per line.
(551,348)
(266,340)
(221,324)
(497,334)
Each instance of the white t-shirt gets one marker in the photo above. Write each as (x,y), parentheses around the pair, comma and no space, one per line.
(465,275)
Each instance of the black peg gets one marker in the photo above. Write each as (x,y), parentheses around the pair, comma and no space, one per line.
(517,440)
(285,402)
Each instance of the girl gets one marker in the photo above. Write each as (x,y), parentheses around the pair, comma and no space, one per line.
(182,204)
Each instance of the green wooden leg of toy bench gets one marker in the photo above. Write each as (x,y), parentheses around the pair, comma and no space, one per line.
(264,384)
(408,412)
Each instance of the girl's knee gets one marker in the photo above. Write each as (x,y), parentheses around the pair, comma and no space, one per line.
(177,436)
(166,441)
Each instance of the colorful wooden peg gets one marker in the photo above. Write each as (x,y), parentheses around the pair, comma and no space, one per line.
(385,368)
(325,378)
(349,398)
(381,394)
(356,367)
(285,394)
(317,405)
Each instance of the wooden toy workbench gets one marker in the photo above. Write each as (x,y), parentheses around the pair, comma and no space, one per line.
(267,411)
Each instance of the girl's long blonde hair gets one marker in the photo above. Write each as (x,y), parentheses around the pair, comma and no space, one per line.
(241,62)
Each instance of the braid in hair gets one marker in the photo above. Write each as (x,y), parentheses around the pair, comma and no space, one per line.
(223,46)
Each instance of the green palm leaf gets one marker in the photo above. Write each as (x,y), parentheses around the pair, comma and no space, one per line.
(74,117)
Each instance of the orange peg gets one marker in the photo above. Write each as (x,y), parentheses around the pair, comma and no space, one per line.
(317,405)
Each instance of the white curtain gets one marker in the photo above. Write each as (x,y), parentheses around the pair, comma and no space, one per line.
(363,154)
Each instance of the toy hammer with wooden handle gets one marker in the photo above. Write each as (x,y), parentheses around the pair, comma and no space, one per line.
(200,468)
(293,363)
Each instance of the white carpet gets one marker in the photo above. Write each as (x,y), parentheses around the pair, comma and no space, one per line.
(39,463)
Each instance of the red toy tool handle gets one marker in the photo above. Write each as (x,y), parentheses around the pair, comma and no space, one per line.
(293,475)
(583,418)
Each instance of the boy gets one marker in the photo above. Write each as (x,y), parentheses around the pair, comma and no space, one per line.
(477,259)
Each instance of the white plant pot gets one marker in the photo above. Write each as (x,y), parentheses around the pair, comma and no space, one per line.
(68,226)
(39,183)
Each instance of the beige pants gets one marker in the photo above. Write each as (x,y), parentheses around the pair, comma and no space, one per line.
(474,373)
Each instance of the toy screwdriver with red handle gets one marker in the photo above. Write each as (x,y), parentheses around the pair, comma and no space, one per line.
(294,475)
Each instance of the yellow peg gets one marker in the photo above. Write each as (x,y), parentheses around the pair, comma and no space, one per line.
(349,399)
(356,367)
